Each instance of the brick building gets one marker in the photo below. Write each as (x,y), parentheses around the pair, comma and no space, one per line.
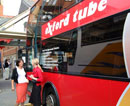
(9,52)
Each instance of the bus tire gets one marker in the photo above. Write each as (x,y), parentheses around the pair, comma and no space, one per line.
(51,97)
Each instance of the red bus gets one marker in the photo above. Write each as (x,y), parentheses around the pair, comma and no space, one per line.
(84,51)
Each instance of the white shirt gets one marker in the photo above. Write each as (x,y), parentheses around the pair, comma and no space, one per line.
(21,76)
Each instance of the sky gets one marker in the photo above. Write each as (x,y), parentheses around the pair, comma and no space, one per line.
(11,7)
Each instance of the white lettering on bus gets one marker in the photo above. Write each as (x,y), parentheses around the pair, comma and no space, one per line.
(57,25)
(77,16)
(102,5)
(82,14)
(62,21)
(54,26)
(74,16)
(49,28)
(66,21)
(46,31)
(93,6)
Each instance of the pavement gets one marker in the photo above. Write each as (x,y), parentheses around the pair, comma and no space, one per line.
(7,96)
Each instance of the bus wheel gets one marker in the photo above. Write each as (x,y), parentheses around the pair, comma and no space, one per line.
(51,98)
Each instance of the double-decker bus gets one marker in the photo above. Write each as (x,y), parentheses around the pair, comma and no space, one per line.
(83,48)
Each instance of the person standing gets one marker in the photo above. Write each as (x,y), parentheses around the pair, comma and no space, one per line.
(19,77)
(6,69)
(37,78)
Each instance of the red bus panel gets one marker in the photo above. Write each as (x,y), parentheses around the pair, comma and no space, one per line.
(83,91)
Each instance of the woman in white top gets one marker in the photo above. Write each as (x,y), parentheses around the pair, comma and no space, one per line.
(19,77)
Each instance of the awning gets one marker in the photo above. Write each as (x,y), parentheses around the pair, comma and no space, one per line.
(11,33)
(6,40)
(1,47)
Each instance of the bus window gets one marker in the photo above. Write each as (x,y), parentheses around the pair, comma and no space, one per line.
(59,51)
(102,46)
(103,31)
(72,46)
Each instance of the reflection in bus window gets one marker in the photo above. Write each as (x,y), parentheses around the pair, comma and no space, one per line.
(104,37)
(108,29)
(59,52)
(30,55)
(72,46)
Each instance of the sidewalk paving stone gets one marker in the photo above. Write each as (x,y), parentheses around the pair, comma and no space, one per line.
(8,98)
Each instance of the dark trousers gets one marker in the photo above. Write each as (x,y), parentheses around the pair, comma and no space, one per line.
(35,98)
